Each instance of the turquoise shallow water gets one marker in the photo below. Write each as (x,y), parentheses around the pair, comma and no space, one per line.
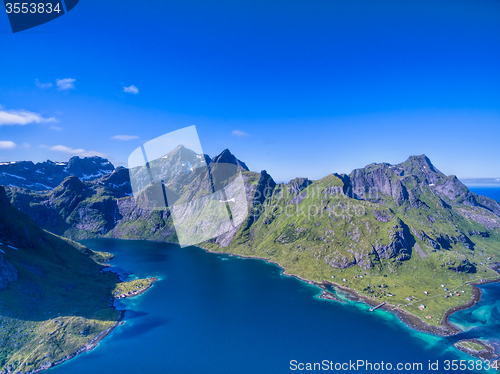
(214,313)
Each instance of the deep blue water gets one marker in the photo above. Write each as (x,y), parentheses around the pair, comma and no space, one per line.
(491,192)
(214,313)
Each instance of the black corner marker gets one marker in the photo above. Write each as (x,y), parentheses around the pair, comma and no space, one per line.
(25,15)
(70,4)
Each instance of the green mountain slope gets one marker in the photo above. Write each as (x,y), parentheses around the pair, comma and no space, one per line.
(54,299)
(391,233)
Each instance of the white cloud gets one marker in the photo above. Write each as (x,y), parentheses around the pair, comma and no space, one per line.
(21,117)
(55,128)
(74,152)
(125,137)
(240,134)
(65,84)
(43,85)
(7,144)
(26,145)
(131,89)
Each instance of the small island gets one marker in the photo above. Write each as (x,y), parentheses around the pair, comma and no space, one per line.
(133,288)
(476,348)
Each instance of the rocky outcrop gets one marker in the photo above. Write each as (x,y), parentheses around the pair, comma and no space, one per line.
(341,262)
(483,234)
(296,187)
(382,216)
(400,243)
(264,189)
(487,203)
(464,267)
(420,234)
(454,190)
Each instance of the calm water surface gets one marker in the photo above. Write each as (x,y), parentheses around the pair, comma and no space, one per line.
(214,313)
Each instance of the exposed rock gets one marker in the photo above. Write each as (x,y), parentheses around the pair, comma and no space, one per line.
(484,234)
(454,190)
(425,238)
(400,243)
(464,267)
(264,189)
(341,262)
(462,238)
(381,216)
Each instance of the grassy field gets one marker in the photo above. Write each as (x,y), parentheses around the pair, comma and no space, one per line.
(470,346)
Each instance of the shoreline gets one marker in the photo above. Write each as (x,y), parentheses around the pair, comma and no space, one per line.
(85,348)
(409,319)
(93,343)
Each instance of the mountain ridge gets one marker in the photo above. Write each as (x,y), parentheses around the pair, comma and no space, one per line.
(49,174)
(383,221)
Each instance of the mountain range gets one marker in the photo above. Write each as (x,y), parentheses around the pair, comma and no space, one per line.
(47,175)
(406,234)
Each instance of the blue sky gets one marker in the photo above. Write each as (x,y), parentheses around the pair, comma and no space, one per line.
(302,88)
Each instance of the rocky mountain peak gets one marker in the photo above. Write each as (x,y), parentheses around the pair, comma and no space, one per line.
(88,167)
(226,157)
(403,182)
(179,151)
(72,183)
(69,186)
(419,164)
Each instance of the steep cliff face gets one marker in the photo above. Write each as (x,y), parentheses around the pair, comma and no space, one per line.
(377,182)
(401,242)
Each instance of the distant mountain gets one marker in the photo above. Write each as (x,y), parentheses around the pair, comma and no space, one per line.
(80,208)
(47,175)
(482,182)
(407,225)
